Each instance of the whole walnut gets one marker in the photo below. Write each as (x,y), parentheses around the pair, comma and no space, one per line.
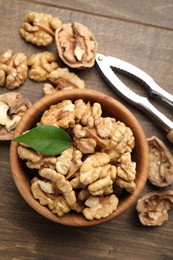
(76,45)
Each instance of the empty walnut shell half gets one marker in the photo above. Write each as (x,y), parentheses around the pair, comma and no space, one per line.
(160,163)
(12,107)
(153,207)
(76,45)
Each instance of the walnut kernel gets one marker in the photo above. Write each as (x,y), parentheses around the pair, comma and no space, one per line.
(41,64)
(100,207)
(39,28)
(62,78)
(13,69)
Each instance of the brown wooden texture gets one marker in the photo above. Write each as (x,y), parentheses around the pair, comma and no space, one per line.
(153,12)
(139,32)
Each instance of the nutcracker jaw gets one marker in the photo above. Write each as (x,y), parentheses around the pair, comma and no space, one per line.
(105,65)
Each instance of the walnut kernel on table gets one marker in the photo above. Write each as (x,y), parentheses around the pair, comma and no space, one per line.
(41,64)
(39,28)
(76,45)
(12,108)
(82,178)
(13,69)
(161,163)
(153,207)
(62,79)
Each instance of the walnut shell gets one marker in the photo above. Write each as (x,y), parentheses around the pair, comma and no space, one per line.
(161,163)
(76,45)
(153,207)
(12,107)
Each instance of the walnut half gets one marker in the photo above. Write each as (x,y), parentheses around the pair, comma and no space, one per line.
(76,45)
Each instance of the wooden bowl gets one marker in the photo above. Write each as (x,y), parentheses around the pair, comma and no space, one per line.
(111,108)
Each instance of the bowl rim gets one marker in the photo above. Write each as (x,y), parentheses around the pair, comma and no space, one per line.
(32,117)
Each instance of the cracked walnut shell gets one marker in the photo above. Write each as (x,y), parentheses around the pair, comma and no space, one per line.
(161,163)
(41,64)
(76,45)
(13,69)
(39,28)
(12,107)
(153,207)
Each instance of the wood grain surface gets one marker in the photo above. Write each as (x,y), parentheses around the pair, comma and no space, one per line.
(140,32)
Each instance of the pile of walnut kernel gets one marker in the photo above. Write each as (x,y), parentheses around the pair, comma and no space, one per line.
(84,178)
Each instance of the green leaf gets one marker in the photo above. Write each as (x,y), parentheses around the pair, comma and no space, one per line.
(46,139)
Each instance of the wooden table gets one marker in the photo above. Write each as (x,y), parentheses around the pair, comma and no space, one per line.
(140,32)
